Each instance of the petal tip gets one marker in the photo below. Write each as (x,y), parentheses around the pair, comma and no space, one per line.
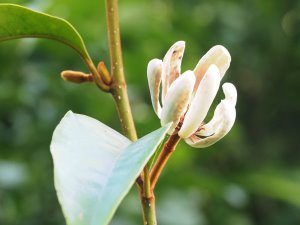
(153,65)
(223,50)
(230,92)
(178,46)
(188,76)
(68,115)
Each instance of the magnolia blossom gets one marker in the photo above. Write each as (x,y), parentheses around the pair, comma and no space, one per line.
(186,98)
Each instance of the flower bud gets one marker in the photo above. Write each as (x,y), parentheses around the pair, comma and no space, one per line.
(76,76)
(103,71)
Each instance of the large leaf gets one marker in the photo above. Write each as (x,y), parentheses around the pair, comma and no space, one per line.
(95,167)
(20,22)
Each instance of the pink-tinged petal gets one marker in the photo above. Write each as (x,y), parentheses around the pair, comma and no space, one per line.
(230,92)
(227,114)
(201,102)
(177,99)
(171,66)
(230,97)
(154,71)
(217,55)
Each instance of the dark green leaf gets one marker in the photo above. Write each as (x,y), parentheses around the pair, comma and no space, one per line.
(20,22)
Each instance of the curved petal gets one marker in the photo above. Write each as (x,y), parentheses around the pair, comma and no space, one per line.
(154,71)
(227,116)
(210,128)
(171,66)
(230,92)
(201,103)
(177,99)
(230,96)
(217,55)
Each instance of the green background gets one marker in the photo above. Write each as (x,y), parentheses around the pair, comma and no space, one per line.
(251,177)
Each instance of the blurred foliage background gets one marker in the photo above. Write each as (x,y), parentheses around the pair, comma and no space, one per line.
(251,177)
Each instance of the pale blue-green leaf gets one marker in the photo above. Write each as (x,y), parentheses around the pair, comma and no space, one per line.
(95,167)
(20,22)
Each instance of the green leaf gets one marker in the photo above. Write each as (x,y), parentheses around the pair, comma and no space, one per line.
(155,155)
(94,167)
(20,22)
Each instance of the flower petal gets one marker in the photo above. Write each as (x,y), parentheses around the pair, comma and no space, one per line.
(226,116)
(210,128)
(230,92)
(171,66)
(177,99)
(154,71)
(217,55)
(231,97)
(201,103)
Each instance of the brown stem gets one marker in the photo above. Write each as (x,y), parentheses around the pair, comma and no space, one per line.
(163,157)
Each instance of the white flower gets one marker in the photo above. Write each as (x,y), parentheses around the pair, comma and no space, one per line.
(186,98)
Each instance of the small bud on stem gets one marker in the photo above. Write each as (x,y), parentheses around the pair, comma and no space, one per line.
(76,76)
(103,71)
